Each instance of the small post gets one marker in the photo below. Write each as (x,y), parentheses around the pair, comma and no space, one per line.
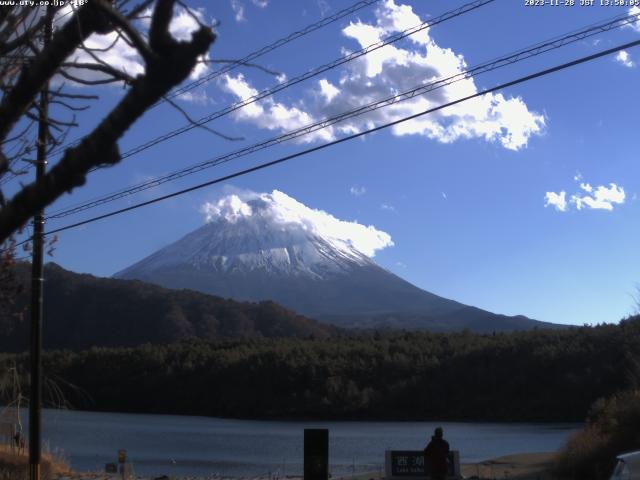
(122,459)
(316,454)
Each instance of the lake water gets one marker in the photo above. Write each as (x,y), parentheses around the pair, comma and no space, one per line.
(183,445)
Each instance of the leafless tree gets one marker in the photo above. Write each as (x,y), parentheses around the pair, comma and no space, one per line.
(28,64)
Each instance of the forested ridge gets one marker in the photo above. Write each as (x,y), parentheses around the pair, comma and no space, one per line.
(539,375)
(82,311)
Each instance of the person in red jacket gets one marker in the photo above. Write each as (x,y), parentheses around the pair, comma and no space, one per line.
(436,456)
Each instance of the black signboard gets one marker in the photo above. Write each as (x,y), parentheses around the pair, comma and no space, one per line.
(410,463)
(407,463)
(316,454)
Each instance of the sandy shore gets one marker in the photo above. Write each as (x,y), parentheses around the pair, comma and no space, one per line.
(525,466)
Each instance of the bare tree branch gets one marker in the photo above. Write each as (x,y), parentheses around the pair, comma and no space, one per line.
(20,39)
(84,81)
(199,124)
(138,9)
(172,61)
(74,96)
(45,65)
(118,75)
(134,36)
(68,106)
(246,64)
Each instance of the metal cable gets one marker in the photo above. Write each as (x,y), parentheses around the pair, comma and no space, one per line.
(251,57)
(520,55)
(262,166)
(524,79)
(298,79)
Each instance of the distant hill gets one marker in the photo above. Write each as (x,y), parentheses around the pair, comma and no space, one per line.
(466,318)
(258,251)
(82,311)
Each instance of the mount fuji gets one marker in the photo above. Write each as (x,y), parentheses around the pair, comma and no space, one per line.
(269,246)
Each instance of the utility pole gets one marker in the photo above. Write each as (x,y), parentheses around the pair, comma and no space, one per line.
(37,281)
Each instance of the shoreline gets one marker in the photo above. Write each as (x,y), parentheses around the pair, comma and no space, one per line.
(327,419)
(520,466)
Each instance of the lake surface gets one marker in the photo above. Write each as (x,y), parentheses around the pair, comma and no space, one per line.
(183,445)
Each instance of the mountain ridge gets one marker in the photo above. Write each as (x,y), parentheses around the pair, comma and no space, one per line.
(83,311)
(263,248)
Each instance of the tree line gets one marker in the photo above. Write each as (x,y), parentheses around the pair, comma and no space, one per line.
(539,375)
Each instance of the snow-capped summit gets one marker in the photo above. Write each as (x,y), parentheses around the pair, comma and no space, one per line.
(255,245)
(271,234)
(271,247)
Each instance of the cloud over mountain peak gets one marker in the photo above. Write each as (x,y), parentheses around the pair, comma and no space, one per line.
(280,209)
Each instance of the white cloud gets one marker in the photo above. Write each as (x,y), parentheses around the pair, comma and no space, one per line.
(357,191)
(324,7)
(261,3)
(288,212)
(238,9)
(183,23)
(181,27)
(109,48)
(399,67)
(268,113)
(328,90)
(230,208)
(586,187)
(120,55)
(624,58)
(387,207)
(602,198)
(636,24)
(198,96)
(594,198)
(557,200)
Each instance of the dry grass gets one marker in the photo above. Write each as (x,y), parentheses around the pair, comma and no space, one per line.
(524,466)
(15,466)
(613,427)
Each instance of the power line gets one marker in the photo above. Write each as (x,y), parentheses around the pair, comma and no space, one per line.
(262,166)
(519,55)
(310,74)
(557,42)
(273,46)
(231,66)
(316,71)
(305,76)
(252,56)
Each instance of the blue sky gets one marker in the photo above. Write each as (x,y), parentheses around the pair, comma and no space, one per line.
(522,203)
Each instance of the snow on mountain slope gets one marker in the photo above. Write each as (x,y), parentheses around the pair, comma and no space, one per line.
(270,247)
(272,233)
